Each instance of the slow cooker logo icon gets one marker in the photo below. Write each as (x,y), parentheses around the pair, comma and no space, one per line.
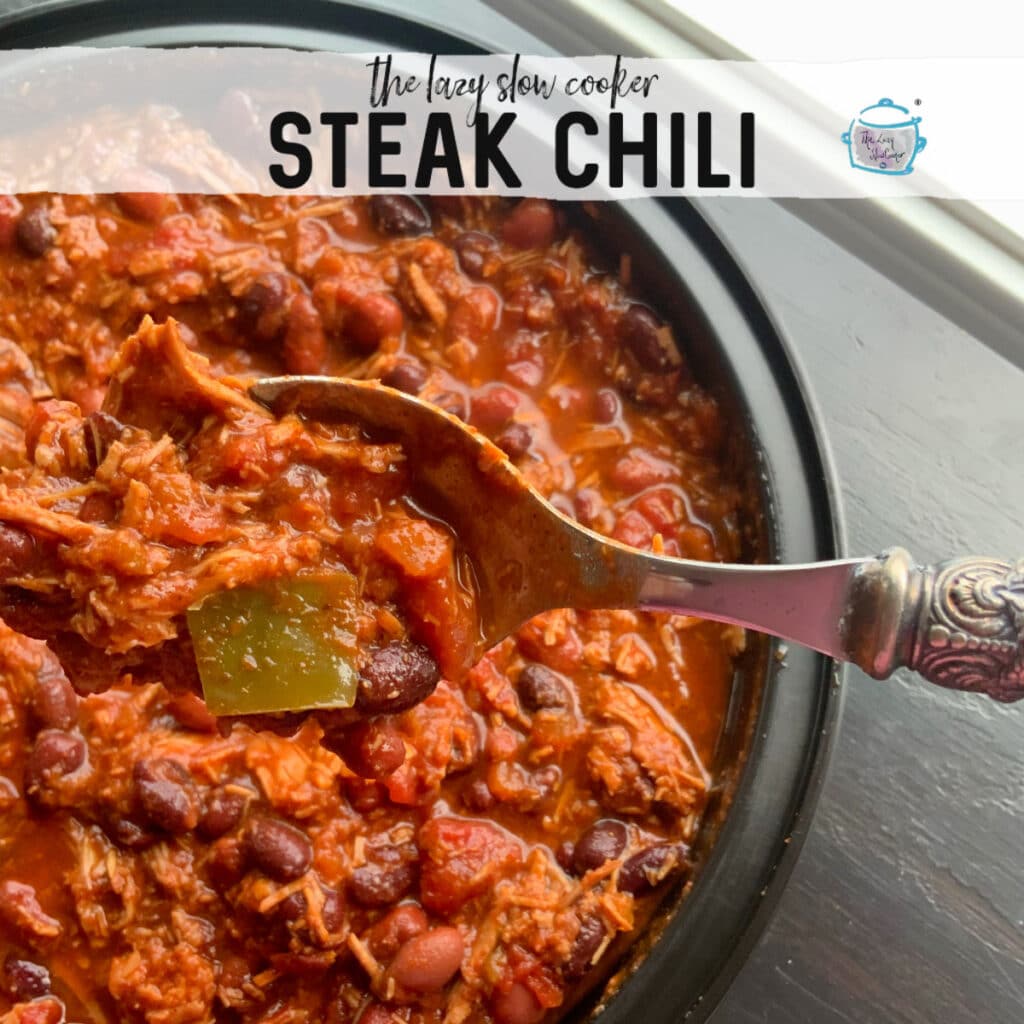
(884,138)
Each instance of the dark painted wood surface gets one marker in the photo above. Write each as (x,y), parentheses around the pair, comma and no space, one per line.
(907,904)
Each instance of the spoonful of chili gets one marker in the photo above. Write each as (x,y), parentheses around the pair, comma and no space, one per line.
(960,624)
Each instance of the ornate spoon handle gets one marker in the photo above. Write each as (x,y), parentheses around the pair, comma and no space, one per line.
(960,623)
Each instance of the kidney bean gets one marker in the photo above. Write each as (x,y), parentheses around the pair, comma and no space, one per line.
(222,811)
(305,345)
(54,755)
(54,703)
(603,841)
(374,1013)
(606,406)
(584,948)
(587,505)
(373,318)
(371,749)
(640,331)
(149,207)
(637,470)
(381,885)
(472,249)
(634,529)
(17,551)
(397,677)
(645,870)
(492,408)
(35,233)
(278,849)
(539,687)
(515,440)
(263,306)
(517,1005)
(24,980)
(166,794)
(531,224)
(427,962)
(396,928)
(399,215)
(101,431)
(407,376)
(477,796)
(10,211)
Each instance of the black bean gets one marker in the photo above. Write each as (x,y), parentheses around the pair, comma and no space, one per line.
(606,406)
(399,215)
(588,941)
(472,248)
(54,755)
(539,687)
(453,403)
(129,833)
(166,794)
(515,1005)
(371,749)
(263,306)
(35,232)
(381,885)
(24,980)
(396,677)
(563,854)
(645,336)
(603,841)
(647,869)
(515,440)
(407,376)
(222,811)
(101,431)
(278,849)
(333,911)
(17,551)
(54,703)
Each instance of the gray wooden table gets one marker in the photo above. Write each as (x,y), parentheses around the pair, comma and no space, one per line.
(907,904)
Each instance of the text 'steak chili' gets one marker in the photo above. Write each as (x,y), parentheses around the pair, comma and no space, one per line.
(456,846)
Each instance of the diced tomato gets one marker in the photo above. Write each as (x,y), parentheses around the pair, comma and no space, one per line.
(462,859)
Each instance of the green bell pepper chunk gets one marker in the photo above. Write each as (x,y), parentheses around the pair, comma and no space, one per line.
(284,645)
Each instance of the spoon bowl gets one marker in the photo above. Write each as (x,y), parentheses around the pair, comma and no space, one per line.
(960,623)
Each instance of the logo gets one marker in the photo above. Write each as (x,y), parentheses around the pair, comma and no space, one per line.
(884,139)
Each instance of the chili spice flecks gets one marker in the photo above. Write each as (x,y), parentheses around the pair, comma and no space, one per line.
(456,846)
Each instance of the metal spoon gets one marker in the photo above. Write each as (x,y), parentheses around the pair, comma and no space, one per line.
(960,623)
